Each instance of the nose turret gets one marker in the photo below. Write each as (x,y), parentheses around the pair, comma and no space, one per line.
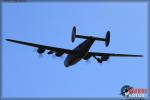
(66,63)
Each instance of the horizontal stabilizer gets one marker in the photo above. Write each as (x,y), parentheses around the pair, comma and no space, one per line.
(106,39)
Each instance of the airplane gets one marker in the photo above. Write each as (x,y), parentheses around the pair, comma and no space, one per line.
(79,52)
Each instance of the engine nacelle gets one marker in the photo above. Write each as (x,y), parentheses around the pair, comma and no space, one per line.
(40,50)
(104,58)
(58,54)
(87,57)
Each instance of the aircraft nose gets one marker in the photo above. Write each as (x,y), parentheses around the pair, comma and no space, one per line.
(66,64)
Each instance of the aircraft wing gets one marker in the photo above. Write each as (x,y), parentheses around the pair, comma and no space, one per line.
(112,54)
(55,49)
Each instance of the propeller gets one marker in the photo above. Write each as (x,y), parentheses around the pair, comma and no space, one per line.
(88,61)
(53,56)
(40,55)
(62,57)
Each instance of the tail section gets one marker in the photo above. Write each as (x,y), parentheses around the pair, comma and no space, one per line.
(106,39)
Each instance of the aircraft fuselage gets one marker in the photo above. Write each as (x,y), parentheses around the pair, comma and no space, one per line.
(83,49)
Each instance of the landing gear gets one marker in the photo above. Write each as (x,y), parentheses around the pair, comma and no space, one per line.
(50,52)
(98,59)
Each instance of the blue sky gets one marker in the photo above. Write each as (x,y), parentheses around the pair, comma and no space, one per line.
(27,75)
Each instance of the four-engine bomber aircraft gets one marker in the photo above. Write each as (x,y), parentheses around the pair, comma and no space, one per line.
(80,52)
